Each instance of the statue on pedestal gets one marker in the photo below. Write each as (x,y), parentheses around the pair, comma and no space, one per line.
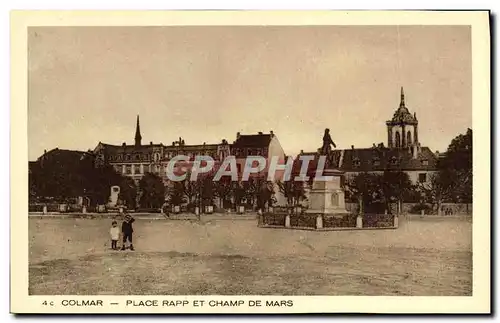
(326,149)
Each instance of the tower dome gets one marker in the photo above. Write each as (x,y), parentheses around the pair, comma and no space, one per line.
(402,129)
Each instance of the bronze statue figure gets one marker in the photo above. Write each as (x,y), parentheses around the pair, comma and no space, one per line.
(327,141)
(326,148)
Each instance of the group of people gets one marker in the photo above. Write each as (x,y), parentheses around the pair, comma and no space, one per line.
(126,232)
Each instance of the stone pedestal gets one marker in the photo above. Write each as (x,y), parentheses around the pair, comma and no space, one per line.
(327,197)
(287,221)
(113,197)
(62,207)
(45,209)
(84,209)
(396,221)
(319,222)
(359,222)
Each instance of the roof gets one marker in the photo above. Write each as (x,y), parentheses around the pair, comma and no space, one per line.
(144,149)
(63,154)
(381,159)
(192,147)
(402,114)
(60,159)
(253,141)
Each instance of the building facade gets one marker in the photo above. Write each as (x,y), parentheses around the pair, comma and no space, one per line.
(403,151)
(138,159)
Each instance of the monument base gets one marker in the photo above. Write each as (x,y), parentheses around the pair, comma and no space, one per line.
(327,196)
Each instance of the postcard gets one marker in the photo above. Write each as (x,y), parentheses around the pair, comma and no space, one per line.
(250,162)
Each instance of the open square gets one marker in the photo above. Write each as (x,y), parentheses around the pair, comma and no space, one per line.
(429,256)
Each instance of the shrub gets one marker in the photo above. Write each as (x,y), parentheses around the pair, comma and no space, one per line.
(417,209)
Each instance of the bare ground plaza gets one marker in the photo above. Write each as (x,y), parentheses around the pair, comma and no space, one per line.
(429,256)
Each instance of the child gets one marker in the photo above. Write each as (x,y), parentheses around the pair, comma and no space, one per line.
(115,235)
(127,231)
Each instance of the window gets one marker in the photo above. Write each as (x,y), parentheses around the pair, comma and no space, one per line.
(128,169)
(376,162)
(119,157)
(394,160)
(137,169)
(356,162)
(425,162)
(398,140)
(422,178)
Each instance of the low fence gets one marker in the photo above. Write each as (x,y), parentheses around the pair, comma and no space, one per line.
(328,222)
(347,221)
(274,219)
(417,208)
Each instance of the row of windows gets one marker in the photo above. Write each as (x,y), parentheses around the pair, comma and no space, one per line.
(156,156)
(394,161)
(249,152)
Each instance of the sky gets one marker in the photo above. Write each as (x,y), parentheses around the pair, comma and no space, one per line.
(206,83)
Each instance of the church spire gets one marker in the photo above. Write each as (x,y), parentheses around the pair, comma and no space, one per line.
(402,103)
(138,136)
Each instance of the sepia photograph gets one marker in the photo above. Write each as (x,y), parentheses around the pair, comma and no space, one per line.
(236,160)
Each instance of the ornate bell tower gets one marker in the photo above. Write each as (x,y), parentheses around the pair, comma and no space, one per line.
(402,129)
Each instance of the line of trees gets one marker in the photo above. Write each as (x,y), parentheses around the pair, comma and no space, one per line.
(452,182)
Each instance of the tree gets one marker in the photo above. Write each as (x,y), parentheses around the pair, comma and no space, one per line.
(250,188)
(437,189)
(457,165)
(191,189)
(128,192)
(265,194)
(207,190)
(152,191)
(395,186)
(98,181)
(223,189)
(293,191)
(365,188)
(176,194)
(238,192)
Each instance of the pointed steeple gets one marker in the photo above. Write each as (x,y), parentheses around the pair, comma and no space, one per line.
(138,136)
(402,103)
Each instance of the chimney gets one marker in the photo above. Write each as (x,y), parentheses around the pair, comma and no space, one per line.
(204,143)
(173,143)
(238,135)
(45,151)
(271,133)
(260,132)
(124,144)
(302,151)
(352,147)
(374,146)
(151,143)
